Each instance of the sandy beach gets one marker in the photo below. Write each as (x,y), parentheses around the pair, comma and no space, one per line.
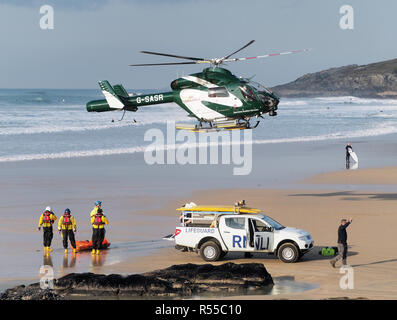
(141,201)
(372,176)
(371,244)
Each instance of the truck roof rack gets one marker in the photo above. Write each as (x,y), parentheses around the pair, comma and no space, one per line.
(219,210)
(204,215)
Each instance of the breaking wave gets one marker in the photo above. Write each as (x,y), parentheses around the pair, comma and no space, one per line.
(382,129)
(93,127)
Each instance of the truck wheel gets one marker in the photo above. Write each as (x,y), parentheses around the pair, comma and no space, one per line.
(288,253)
(210,251)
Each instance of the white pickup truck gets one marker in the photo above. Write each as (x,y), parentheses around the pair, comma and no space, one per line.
(239,232)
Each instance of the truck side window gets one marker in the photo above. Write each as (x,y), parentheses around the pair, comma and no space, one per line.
(235,223)
(259,226)
(218,92)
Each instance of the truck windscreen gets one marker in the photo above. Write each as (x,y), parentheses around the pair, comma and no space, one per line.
(273,223)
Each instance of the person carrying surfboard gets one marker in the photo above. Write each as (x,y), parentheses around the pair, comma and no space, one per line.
(67,226)
(98,222)
(46,221)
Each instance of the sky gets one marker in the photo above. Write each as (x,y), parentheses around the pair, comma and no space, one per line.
(94,40)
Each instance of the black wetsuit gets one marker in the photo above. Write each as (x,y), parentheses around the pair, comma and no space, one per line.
(98,235)
(48,234)
(68,234)
(348,153)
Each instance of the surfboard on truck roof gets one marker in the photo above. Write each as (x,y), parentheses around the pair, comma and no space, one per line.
(219,209)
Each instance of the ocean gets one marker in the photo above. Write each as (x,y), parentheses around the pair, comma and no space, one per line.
(52,124)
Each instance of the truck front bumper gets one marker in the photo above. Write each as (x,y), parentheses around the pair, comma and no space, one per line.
(305,246)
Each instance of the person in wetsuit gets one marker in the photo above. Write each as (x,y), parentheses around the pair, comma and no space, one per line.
(348,147)
(46,221)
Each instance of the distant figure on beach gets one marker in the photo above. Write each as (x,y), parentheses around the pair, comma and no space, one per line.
(67,227)
(348,147)
(342,243)
(46,221)
(98,205)
(98,222)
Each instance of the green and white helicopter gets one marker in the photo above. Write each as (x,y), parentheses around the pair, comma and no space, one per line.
(215,97)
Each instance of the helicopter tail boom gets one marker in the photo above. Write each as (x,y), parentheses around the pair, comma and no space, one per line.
(117,98)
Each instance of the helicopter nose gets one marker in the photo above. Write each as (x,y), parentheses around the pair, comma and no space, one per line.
(273,109)
(271,103)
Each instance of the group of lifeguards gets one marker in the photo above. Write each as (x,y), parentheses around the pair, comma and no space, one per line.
(67,227)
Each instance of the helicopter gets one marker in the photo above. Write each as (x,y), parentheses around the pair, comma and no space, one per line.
(215,97)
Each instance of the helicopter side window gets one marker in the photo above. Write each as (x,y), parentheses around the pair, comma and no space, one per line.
(218,92)
(247,93)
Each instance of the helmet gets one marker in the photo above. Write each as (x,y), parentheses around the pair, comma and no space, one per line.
(67,210)
(98,203)
(48,209)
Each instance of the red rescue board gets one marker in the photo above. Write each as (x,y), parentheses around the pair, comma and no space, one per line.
(87,245)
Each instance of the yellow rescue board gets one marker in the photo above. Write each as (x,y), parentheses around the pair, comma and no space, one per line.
(219,128)
(220,209)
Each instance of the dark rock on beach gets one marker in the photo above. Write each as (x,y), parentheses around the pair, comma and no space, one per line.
(375,80)
(31,292)
(175,281)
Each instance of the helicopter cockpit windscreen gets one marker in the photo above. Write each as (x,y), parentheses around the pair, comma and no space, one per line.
(264,94)
(259,87)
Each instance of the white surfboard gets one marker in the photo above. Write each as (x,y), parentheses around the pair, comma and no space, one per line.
(354,166)
(353,155)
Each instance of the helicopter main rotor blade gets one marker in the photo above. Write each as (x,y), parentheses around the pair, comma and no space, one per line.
(160,64)
(172,55)
(228,56)
(267,55)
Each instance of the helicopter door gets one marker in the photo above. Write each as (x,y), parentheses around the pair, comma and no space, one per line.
(248,94)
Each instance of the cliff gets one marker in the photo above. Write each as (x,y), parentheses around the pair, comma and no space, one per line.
(376,80)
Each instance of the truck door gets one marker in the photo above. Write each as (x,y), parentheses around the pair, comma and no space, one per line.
(262,235)
(234,233)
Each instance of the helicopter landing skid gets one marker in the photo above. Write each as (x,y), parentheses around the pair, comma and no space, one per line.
(216,127)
